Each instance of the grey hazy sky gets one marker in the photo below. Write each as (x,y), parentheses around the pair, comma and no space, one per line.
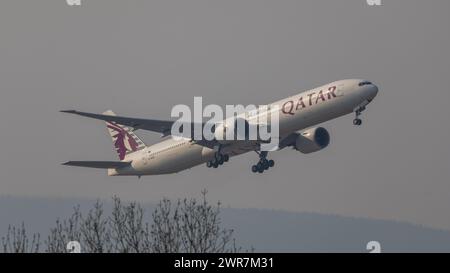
(140,58)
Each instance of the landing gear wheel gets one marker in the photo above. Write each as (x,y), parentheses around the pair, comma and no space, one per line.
(357,122)
(263,164)
(260,167)
(218,160)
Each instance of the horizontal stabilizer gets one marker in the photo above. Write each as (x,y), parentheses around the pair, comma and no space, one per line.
(98,164)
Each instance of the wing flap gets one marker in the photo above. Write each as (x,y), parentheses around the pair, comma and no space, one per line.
(98,164)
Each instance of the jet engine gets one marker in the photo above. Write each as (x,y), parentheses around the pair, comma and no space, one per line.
(312,140)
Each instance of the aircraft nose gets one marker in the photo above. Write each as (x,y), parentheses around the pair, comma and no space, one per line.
(373,91)
(368,90)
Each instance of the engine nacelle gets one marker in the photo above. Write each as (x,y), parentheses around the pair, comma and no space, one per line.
(312,140)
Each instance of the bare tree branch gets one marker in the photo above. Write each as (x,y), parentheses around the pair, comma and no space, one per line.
(186,225)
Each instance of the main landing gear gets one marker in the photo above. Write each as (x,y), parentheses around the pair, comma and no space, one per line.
(357,121)
(218,160)
(263,163)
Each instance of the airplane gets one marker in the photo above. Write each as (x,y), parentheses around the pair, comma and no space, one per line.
(299,117)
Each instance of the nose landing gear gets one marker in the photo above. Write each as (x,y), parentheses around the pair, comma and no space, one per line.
(263,163)
(357,121)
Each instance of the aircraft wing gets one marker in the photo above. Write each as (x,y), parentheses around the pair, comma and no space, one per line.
(98,164)
(161,126)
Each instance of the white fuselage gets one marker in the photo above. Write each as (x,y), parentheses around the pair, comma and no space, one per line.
(298,112)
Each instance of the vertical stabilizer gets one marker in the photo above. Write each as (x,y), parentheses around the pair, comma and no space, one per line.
(124,139)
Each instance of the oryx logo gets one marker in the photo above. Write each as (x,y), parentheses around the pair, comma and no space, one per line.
(374,2)
(123,141)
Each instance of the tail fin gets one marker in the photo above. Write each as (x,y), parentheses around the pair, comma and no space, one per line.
(124,139)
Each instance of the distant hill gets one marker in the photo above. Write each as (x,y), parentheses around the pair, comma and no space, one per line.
(264,230)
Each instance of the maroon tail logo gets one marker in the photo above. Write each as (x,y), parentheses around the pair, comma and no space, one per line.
(123,141)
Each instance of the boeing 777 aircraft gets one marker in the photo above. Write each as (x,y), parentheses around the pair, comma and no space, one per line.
(299,116)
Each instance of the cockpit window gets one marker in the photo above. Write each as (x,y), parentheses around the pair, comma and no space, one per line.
(364,83)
